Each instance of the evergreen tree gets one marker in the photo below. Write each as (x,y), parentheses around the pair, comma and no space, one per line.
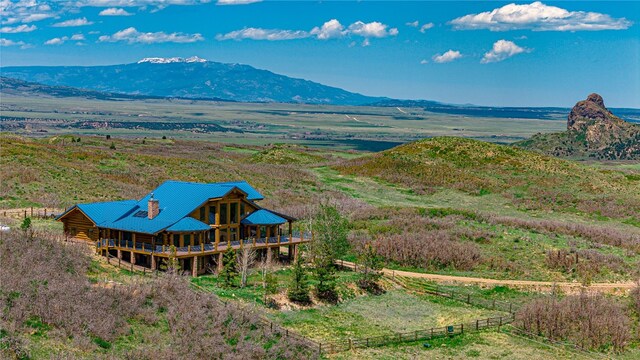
(229,270)
(370,269)
(299,287)
(330,242)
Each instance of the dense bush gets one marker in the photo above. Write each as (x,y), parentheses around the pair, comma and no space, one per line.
(589,321)
(44,287)
(584,262)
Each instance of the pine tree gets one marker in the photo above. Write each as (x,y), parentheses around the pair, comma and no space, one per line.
(299,287)
(370,269)
(229,270)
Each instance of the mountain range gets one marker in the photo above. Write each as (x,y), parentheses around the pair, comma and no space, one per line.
(192,77)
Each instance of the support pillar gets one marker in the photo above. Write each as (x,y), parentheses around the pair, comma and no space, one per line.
(119,254)
(133,258)
(268,255)
(153,262)
(219,262)
(194,266)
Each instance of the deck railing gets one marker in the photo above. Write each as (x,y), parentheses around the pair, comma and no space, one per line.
(207,247)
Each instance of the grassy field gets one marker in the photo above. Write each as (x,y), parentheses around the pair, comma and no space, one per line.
(346,127)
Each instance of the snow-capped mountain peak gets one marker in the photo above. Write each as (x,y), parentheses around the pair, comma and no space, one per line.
(159,60)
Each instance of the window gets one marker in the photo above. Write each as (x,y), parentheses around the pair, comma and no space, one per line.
(234,233)
(242,210)
(223,236)
(212,236)
(223,214)
(212,214)
(202,211)
(176,240)
(234,213)
(187,240)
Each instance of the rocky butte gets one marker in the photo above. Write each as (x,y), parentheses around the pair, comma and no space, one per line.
(593,132)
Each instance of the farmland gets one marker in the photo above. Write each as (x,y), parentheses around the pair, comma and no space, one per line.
(346,127)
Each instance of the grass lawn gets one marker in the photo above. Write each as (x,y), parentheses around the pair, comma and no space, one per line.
(369,315)
(484,345)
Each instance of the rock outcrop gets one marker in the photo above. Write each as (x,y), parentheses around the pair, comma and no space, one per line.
(592,132)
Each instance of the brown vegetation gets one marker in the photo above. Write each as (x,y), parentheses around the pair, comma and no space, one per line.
(44,286)
(590,321)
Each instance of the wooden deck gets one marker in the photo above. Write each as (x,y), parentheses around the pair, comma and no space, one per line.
(202,249)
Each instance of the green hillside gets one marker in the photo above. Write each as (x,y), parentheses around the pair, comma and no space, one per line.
(528,179)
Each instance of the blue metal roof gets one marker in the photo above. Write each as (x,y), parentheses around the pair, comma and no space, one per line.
(177,199)
(102,212)
(263,217)
(188,224)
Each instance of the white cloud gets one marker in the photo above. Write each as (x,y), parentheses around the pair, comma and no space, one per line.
(24,11)
(236,2)
(446,57)
(56,41)
(424,61)
(365,42)
(414,24)
(132,35)
(426,27)
(7,42)
(17,29)
(502,49)
(373,29)
(73,22)
(63,39)
(263,34)
(137,3)
(538,17)
(331,29)
(114,12)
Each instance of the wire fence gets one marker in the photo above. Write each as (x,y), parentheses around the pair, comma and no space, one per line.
(414,336)
(435,289)
(31,212)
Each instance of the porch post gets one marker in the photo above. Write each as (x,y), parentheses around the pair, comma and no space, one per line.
(153,262)
(219,262)
(290,232)
(194,266)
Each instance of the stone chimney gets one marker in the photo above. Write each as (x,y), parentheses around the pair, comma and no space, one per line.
(153,207)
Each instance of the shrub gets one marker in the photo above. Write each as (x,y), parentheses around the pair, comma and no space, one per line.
(589,321)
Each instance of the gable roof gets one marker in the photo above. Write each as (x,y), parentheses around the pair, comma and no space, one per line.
(102,212)
(188,224)
(262,217)
(177,199)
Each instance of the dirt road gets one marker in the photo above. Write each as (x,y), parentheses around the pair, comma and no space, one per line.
(520,284)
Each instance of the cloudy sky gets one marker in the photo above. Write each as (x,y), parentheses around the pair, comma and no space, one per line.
(488,53)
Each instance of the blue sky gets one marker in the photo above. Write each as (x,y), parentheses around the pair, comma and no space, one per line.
(487,53)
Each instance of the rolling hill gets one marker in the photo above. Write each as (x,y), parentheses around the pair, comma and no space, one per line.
(188,78)
(524,178)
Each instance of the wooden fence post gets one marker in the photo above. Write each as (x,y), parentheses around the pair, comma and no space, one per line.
(350,344)
(494,304)
(461,328)
(468,299)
